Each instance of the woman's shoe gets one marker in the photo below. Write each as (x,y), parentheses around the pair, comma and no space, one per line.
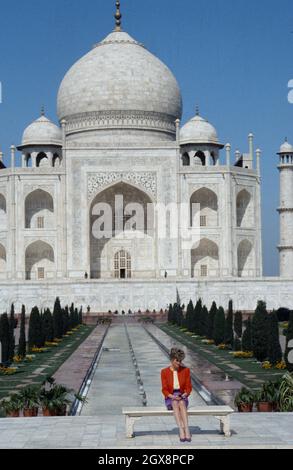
(188,439)
(183,440)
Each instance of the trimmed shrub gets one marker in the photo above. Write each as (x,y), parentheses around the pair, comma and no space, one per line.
(35,337)
(189,315)
(4,338)
(219,326)
(260,332)
(274,348)
(229,334)
(11,334)
(238,324)
(48,326)
(22,339)
(204,318)
(289,345)
(197,317)
(57,319)
(211,320)
(247,337)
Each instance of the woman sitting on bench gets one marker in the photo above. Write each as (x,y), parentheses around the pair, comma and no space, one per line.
(176,388)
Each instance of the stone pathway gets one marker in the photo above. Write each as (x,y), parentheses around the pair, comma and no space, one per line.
(251,430)
(114,384)
(73,370)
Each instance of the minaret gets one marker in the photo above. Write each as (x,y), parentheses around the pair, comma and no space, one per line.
(286,210)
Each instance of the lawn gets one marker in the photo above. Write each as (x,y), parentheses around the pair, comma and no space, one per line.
(43,364)
(249,371)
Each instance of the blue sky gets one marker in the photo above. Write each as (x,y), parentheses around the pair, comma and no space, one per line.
(233,58)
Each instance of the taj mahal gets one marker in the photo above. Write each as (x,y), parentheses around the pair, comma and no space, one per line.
(120,137)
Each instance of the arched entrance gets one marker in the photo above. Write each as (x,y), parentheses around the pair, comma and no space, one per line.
(122,265)
(122,233)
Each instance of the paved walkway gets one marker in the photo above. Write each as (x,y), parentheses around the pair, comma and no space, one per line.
(262,430)
(72,372)
(114,384)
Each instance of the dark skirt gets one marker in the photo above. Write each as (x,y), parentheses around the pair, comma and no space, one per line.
(168,401)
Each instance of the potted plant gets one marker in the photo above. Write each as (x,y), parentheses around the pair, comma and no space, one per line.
(11,406)
(54,399)
(265,398)
(30,400)
(286,393)
(244,400)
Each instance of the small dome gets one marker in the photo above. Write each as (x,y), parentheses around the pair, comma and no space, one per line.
(42,132)
(286,148)
(198,131)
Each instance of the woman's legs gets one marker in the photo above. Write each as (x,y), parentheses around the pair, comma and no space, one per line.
(177,414)
(184,418)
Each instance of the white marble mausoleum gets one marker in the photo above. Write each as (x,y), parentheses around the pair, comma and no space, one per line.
(120,138)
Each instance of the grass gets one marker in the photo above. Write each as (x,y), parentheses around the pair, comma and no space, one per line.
(222,359)
(44,364)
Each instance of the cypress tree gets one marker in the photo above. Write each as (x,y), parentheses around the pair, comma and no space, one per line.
(170,314)
(289,344)
(4,338)
(197,317)
(22,338)
(229,335)
(11,334)
(57,319)
(247,337)
(260,332)
(35,329)
(237,344)
(219,326)
(238,328)
(204,318)
(80,316)
(274,348)
(42,328)
(211,320)
(71,316)
(75,317)
(65,320)
(189,315)
(48,326)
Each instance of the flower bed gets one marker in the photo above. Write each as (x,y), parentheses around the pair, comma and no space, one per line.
(8,370)
(242,355)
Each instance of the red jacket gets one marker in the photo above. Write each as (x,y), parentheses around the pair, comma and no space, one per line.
(183,377)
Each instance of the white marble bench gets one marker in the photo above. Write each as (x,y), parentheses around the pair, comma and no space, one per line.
(222,413)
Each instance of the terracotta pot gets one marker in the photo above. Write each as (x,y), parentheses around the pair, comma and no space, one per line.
(245,408)
(61,411)
(13,414)
(265,407)
(49,412)
(30,412)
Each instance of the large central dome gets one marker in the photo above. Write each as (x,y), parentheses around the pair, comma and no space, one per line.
(120,85)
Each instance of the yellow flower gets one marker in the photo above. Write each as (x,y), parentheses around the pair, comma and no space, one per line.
(266,365)
(243,354)
(281,365)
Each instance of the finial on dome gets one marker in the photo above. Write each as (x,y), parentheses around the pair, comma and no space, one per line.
(118,17)
(43,110)
(197,110)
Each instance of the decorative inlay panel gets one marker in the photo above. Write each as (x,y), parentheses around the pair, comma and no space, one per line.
(147,181)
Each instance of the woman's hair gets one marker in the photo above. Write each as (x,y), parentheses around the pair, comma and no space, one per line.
(177,354)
